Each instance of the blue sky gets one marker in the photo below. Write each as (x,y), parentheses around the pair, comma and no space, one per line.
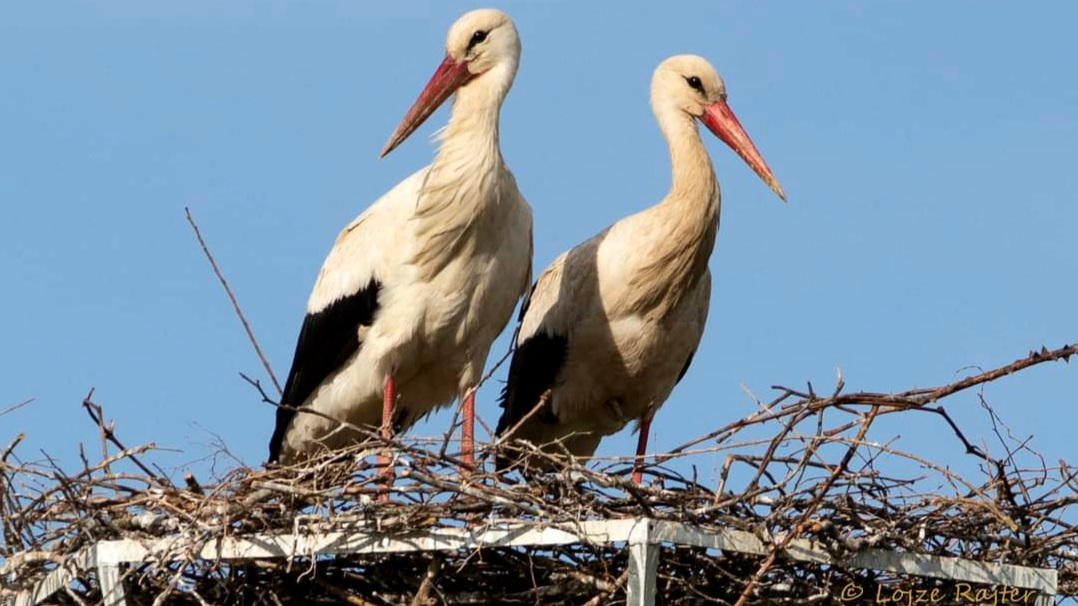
(928,150)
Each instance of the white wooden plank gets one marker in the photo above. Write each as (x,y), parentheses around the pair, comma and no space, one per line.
(56,580)
(53,582)
(366,542)
(1044,580)
(1041,579)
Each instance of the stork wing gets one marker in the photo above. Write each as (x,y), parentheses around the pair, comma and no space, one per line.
(346,297)
(542,346)
(327,340)
(532,371)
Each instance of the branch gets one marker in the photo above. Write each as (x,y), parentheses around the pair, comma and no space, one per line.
(914,398)
(232,298)
(108,434)
(1035,357)
(15,407)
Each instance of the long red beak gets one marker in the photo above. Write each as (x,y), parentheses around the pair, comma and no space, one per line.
(720,119)
(449,76)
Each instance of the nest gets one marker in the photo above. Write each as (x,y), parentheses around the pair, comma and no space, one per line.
(813,475)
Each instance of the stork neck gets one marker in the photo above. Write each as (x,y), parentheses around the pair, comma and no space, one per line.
(687,219)
(463,184)
(692,175)
(472,132)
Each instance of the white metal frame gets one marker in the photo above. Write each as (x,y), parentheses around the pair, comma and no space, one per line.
(642,537)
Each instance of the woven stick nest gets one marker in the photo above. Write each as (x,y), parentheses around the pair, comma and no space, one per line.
(817,475)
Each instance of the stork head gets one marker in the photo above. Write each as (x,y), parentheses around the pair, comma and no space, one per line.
(689,84)
(482,46)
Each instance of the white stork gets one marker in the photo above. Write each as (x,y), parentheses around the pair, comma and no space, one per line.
(611,326)
(417,288)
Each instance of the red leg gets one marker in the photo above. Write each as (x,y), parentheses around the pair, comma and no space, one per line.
(641,448)
(387,409)
(387,433)
(467,430)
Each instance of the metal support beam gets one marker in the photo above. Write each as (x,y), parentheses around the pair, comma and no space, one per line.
(643,569)
(112,588)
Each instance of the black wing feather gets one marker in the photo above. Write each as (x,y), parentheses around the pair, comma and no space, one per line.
(329,337)
(532,371)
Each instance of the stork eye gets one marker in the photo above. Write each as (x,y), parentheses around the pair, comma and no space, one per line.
(695,83)
(477,37)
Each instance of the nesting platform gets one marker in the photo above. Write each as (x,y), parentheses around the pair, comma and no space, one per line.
(808,509)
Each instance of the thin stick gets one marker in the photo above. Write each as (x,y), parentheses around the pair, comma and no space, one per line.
(1035,357)
(422,595)
(107,434)
(15,407)
(232,298)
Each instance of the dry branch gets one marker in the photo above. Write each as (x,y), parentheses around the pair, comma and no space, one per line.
(16,406)
(232,298)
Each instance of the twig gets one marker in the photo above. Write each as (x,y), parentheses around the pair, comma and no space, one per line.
(15,407)
(1034,358)
(107,433)
(422,595)
(232,298)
